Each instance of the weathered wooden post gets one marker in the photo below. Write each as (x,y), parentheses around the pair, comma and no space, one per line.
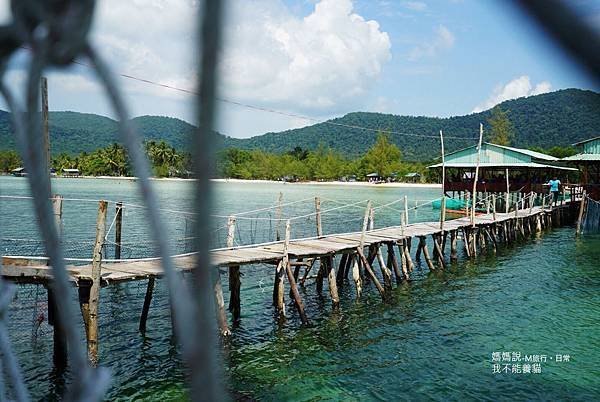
(146,306)
(355,267)
(235,282)
(118,229)
(580,216)
(531,201)
(423,245)
(476,175)
(453,245)
(95,288)
(57,209)
(288,269)
(385,272)
(507,200)
(318,216)
(405,210)
(494,207)
(394,262)
(443,203)
(331,279)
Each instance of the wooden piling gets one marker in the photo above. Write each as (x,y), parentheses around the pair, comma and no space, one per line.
(146,307)
(342,269)
(60,350)
(437,247)
(423,245)
(220,304)
(118,228)
(403,259)
(235,282)
(318,216)
(371,274)
(580,216)
(394,262)
(453,246)
(331,280)
(92,340)
(476,175)
(385,272)
(287,266)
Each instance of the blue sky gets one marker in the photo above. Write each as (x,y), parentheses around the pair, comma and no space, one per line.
(321,59)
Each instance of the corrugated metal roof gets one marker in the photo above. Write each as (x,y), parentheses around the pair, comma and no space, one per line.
(537,155)
(588,140)
(528,165)
(582,157)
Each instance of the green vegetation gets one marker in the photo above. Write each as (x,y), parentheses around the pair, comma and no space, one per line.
(501,130)
(321,164)
(556,151)
(554,119)
(114,161)
(9,160)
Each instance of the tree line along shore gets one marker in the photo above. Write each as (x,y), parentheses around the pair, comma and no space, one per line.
(383,161)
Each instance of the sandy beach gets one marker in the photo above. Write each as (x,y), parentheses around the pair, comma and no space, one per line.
(300,183)
(335,183)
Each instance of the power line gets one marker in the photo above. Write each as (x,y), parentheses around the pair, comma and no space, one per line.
(269,110)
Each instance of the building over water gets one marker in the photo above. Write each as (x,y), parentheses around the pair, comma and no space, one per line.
(502,170)
(588,161)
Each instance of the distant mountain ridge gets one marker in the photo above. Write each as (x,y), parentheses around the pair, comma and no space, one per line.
(556,118)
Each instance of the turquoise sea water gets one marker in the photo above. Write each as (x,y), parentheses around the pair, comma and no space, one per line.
(434,341)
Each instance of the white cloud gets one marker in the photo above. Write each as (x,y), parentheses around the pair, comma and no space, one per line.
(415,5)
(443,40)
(517,88)
(322,62)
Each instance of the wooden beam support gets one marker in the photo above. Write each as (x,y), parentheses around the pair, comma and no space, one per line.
(146,307)
(331,280)
(92,340)
(371,274)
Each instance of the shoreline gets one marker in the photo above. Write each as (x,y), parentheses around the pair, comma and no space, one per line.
(261,181)
(332,183)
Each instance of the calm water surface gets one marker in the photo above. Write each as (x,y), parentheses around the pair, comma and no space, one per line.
(434,341)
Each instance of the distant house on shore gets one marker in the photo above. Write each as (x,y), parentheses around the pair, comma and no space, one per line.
(412,177)
(71,172)
(588,161)
(19,172)
(373,177)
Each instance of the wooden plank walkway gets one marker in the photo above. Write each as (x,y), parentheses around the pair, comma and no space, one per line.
(36,269)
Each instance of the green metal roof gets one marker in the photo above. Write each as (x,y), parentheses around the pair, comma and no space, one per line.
(584,141)
(497,154)
(527,165)
(582,157)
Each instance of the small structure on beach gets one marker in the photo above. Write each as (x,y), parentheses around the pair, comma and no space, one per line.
(412,177)
(588,161)
(19,172)
(373,177)
(67,172)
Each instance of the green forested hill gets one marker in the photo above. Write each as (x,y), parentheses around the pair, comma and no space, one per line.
(72,132)
(556,118)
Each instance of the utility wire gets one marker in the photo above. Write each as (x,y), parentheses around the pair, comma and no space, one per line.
(269,110)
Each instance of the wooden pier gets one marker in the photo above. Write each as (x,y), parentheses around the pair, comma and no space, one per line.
(334,258)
